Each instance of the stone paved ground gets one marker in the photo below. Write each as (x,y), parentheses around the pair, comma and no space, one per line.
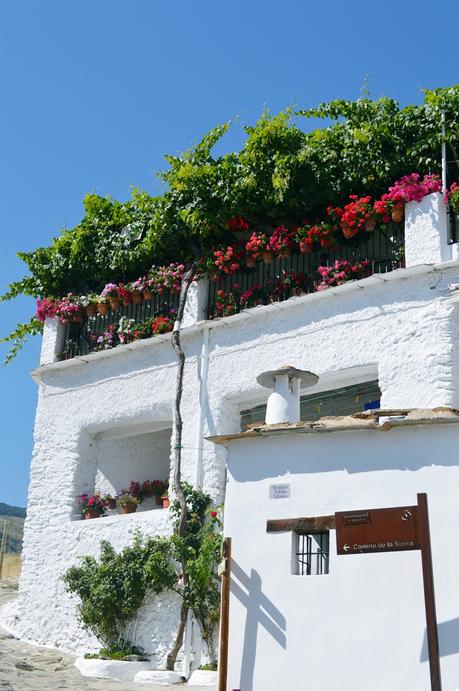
(25,667)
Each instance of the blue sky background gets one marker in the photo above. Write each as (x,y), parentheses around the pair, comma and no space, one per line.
(94,92)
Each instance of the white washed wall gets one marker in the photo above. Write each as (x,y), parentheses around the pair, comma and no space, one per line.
(362,626)
(402,324)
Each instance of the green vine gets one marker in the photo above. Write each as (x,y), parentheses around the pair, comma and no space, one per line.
(280,175)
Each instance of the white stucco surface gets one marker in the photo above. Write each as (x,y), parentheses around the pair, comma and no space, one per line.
(426,231)
(98,415)
(362,626)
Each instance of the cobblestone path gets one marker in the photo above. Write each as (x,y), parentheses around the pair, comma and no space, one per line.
(25,667)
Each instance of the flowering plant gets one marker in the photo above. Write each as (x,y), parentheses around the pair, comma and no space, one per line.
(107,339)
(92,502)
(280,241)
(167,277)
(358,214)
(69,308)
(289,280)
(411,188)
(154,488)
(46,308)
(125,292)
(452,197)
(251,296)
(237,223)
(125,498)
(227,303)
(137,286)
(161,325)
(307,235)
(110,291)
(257,244)
(227,260)
(341,272)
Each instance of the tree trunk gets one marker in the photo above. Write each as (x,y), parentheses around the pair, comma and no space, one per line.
(178,425)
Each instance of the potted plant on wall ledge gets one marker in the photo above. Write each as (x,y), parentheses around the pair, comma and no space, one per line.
(92,505)
(452,198)
(127,501)
(165,499)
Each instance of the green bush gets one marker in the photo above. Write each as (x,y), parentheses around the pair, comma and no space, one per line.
(112,589)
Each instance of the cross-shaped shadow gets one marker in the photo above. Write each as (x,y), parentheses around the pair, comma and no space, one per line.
(260,610)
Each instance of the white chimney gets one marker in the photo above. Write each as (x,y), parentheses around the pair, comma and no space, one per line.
(284,402)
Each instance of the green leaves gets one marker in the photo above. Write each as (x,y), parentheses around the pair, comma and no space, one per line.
(281,175)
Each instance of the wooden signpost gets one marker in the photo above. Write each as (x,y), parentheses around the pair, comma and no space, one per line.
(225,574)
(390,530)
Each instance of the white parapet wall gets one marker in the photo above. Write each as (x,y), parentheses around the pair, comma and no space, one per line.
(52,341)
(402,325)
(426,231)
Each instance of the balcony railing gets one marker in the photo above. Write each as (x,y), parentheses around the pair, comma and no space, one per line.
(383,249)
(81,338)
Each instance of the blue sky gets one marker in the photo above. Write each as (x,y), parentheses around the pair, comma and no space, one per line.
(94,92)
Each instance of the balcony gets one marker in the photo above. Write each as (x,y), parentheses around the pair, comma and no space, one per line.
(260,285)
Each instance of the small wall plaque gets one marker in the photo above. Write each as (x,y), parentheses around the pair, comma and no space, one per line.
(279,491)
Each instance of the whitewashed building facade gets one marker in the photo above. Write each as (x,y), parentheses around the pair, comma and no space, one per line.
(106,418)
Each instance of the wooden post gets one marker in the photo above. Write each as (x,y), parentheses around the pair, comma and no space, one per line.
(3,544)
(429,593)
(224,616)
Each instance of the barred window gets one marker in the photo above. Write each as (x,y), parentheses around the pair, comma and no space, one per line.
(310,554)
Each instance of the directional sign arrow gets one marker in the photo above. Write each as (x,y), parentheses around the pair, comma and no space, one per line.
(346,547)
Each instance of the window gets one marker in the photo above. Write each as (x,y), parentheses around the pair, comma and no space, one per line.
(310,554)
(343,401)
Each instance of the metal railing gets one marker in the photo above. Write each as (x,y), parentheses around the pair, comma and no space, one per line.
(382,248)
(80,338)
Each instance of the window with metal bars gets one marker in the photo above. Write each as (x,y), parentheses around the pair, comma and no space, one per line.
(311,553)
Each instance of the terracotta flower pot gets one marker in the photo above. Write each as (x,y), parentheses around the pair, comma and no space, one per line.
(102,308)
(166,502)
(306,246)
(147,294)
(77,317)
(92,514)
(127,301)
(137,298)
(129,508)
(397,213)
(91,310)
(115,303)
(370,225)
(250,262)
(267,257)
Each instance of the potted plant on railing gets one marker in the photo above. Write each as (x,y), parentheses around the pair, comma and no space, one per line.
(357,215)
(257,247)
(69,309)
(90,302)
(111,292)
(92,505)
(410,188)
(227,260)
(125,294)
(281,241)
(136,291)
(127,501)
(102,305)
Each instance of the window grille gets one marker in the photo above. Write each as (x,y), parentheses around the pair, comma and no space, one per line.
(311,554)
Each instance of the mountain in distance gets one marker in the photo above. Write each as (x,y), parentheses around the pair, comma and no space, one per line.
(14,516)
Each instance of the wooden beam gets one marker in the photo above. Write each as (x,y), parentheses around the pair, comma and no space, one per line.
(224,616)
(314,524)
